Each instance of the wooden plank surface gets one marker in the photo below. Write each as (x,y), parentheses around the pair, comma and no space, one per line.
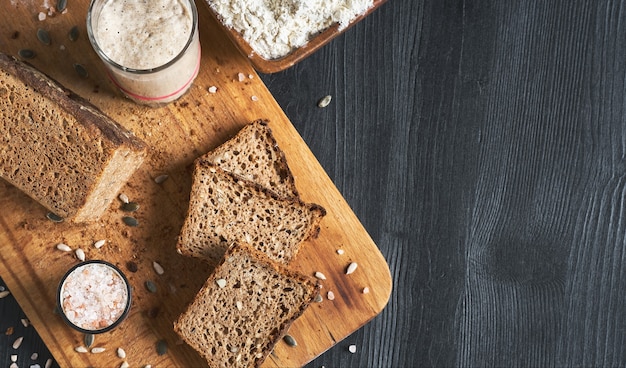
(31,266)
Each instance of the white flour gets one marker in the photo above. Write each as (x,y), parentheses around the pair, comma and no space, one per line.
(273,28)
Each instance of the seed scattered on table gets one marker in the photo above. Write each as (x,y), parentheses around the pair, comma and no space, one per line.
(82,72)
(212,89)
(26,53)
(352,348)
(130,206)
(4,293)
(151,286)
(161,347)
(131,266)
(124,364)
(320,275)
(130,221)
(48,363)
(124,198)
(61,5)
(158,268)
(44,36)
(18,342)
(80,254)
(88,340)
(340,251)
(73,34)
(254,98)
(25,322)
(121,353)
(241,77)
(325,101)
(64,247)
(290,340)
(318,298)
(14,358)
(330,295)
(366,290)
(161,178)
(54,217)
(98,350)
(34,356)
(221,283)
(99,244)
(351,268)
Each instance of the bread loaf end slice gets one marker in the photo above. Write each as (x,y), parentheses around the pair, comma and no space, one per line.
(226,208)
(245,307)
(58,148)
(254,154)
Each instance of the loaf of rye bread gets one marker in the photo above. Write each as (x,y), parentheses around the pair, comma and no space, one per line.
(226,208)
(254,154)
(58,148)
(244,308)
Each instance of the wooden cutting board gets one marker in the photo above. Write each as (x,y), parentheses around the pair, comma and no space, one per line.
(177,134)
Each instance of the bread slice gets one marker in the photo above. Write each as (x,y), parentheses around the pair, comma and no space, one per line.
(58,148)
(226,208)
(244,308)
(254,154)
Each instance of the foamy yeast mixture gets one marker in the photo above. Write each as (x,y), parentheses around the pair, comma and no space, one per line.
(143,34)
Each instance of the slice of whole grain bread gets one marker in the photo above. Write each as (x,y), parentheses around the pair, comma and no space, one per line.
(254,154)
(245,307)
(226,208)
(58,148)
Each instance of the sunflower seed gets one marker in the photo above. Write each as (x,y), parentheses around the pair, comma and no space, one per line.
(63,247)
(290,340)
(325,101)
(99,244)
(26,53)
(18,342)
(121,353)
(161,347)
(88,340)
(4,293)
(330,295)
(124,198)
(161,178)
(351,268)
(61,5)
(130,207)
(54,217)
(97,350)
(80,254)
(320,275)
(130,221)
(43,36)
(151,286)
(221,283)
(73,34)
(158,268)
(352,349)
(82,72)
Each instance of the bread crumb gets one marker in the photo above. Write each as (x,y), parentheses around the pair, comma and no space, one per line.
(212,89)
(352,348)
(366,290)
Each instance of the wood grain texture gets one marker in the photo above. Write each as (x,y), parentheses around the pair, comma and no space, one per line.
(176,135)
(482,146)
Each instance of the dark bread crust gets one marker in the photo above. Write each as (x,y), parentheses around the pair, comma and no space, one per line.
(88,114)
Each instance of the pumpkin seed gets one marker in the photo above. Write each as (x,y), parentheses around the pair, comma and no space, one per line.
(17,342)
(26,53)
(158,268)
(73,33)
(82,72)
(130,221)
(97,350)
(290,340)
(320,276)
(81,349)
(54,217)
(4,293)
(151,286)
(161,347)
(130,206)
(44,36)
(88,340)
(80,254)
(121,353)
(124,198)
(61,5)
(99,244)
(324,101)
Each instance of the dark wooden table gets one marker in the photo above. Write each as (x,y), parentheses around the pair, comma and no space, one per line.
(483,146)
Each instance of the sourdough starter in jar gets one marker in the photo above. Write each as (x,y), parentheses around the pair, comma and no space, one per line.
(151,47)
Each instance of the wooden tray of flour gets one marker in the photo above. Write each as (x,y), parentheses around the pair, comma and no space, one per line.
(32,266)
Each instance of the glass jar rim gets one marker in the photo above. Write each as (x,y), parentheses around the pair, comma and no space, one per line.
(116,65)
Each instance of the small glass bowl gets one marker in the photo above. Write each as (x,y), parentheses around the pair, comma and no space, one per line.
(80,274)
